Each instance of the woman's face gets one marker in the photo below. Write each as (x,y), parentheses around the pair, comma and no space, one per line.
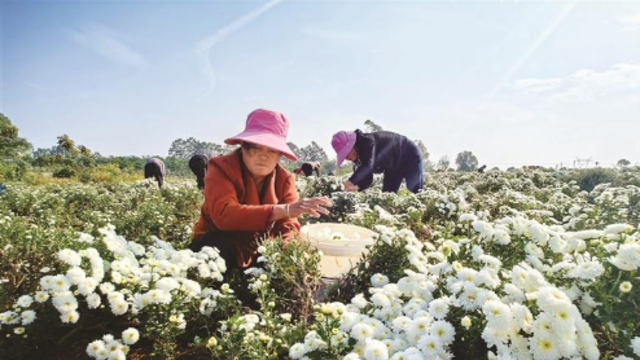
(353,155)
(260,160)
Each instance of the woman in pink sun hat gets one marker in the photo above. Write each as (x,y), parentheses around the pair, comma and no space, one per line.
(380,152)
(249,196)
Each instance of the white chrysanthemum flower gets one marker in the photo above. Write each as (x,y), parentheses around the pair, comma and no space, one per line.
(587,234)
(117,355)
(544,348)
(107,288)
(430,345)
(376,350)
(361,332)
(381,300)
(468,217)
(538,233)
(628,257)
(24,301)
(9,318)
(28,317)
(439,308)
(41,296)
(87,286)
(297,351)
(97,349)
(587,270)
(65,302)
(130,336)
(485,229)
(190,287)
(60,283)
(444,331)
(351,356)
(401,324)
(75,275)
(497,312)
(70,257)
(167,284)
(70,317)
(379,280)
(466,322)
(625,287)
(617,229)
(501,236)
(119,307)
(93,301)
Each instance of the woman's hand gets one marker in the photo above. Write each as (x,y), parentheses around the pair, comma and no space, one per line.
(349,187)
(315,207)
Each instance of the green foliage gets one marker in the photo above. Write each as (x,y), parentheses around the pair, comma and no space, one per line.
(11,144)
(590,178)
(65,172)
(387,256)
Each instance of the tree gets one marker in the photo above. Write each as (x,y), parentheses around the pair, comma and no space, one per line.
(11,144)
(295,149)
(370,126)
(466,161)
(184,149)
(623,163)
(443,163)
(68,145)
(423,151)
(312,152)
(84,151)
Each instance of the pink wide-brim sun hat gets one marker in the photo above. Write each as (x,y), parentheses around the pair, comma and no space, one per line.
(343,142)
(267,128)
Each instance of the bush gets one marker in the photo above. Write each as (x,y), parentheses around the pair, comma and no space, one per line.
(589,179)
(65,172)
(14,171)
(107,173)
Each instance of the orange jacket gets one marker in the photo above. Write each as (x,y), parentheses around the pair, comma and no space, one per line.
(232,204)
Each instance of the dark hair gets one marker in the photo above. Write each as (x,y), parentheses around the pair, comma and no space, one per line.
(307,169)
(247,145)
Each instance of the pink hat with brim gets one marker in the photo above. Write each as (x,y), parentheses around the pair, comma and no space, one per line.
(343,142)
(267,128)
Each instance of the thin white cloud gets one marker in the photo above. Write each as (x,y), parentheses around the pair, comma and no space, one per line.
(333,35)
(585,84)
(205,46)
(631,22)
(107,43)
(536,85)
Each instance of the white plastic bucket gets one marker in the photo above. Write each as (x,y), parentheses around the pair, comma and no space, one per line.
(341,252)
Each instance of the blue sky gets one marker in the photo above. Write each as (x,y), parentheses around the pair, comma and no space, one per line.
(516,82)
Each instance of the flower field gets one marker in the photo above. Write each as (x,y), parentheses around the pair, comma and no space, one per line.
(501,265)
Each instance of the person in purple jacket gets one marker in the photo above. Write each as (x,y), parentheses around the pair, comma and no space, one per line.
(394,155)
(154,168)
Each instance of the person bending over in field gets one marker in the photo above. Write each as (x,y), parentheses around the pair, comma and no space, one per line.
(198,165)
(308,168)
(394,155)
(154,168)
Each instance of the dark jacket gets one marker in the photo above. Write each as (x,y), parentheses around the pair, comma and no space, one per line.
(378,152)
